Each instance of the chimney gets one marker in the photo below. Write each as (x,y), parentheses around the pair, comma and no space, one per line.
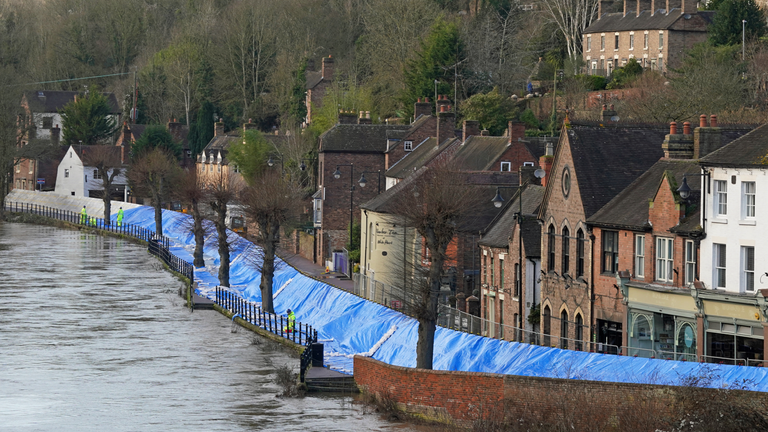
(363,119)
(56,135)
(545,162)
(526,173)
(602,7)
(688,7)
(310,65)
(248,126)
(643,5)
(706,139)
(629,6)
(218,128)
(174,128)
(470,128)
(653,7)
(442,100)
(446,124)
(485,132)
(422,107)
(515,131)
(678,146)
(607,114)
(327,72)
(347,117)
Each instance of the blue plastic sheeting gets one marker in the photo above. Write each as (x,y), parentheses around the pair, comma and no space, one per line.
(349,325)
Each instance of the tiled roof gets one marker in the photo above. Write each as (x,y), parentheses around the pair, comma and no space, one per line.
(313,79)
(357,138)
(46,101)
(629,209)
(502,228)
(478,153)
(538,145)
(420,156)
(219,143)
(745,151)
(615,22)
(382,202)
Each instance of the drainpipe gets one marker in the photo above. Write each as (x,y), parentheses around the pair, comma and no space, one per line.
(592,321)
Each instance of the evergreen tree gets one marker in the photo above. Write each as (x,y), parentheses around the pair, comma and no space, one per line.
(726,28)
(201,130)
(88,119)
(250,155)
(491,109)
(155,137)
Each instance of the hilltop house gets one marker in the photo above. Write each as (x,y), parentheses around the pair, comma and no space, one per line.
(76,178)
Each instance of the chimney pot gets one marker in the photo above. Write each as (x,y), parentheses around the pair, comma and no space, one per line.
(426,99)
(703,120)
(605,107)
(713,120)
(673,128)
(612,108)
(687,128)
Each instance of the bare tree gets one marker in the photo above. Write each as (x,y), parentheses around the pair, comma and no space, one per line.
(221,191)
(571,17)
(191,191)
(270,201)
(154,175)
(435,204)
(109,165)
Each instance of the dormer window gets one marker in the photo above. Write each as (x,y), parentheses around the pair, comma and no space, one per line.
(47,122)
(506,166)
(408,145)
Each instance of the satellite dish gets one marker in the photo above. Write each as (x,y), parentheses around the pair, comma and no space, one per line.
(615,118)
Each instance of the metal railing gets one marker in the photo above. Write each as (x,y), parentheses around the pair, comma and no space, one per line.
(384,294)
(158,245)
(279,325)
(672,355)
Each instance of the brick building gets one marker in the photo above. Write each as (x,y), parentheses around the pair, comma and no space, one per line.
(656,33)
(316,84)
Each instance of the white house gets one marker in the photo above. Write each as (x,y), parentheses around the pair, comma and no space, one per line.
(44,107)
(76,179)
(734,253)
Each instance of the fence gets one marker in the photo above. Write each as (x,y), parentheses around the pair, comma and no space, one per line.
(392,297)
(158,245)
(279,325)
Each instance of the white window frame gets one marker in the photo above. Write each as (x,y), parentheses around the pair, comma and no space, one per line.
(718,265)
(616,41)
(66,173)
(748,200)
(748,269)
(639,256)
(589,42)
(665,247)
(645,41)
(631,41)
(720,198)
(690,262)
(661,40)
(506,166)
(408,146)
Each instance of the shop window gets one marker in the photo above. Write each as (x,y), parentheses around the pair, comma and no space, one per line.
(639,256)
(610,251)
(690,262)
(664,259)
(718,255)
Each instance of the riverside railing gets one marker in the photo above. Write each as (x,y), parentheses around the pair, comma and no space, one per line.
(158,245)
(279,325)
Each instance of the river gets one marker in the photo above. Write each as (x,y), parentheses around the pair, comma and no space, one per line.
(93,337)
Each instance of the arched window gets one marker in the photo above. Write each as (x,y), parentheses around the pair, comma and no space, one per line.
(579,253)
(551,248)
(545,324)
(579,332)
(564,329)
(566,250)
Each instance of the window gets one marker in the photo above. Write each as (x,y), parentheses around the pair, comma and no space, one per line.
(218,167)
(235,168)
(86,178)
(721,198)
(661,65)
(563,329)
(589,43)
(718,255)
(210,167)
(579,332)
(610,251)
(653,64)
(96,174)
(528,164)
(517,280)
(551,248)
(747,200)
(485,270)
(616,42)
(661,40)
(493,273)
(747,268)
(501,274)
(408,145)
(47,122)
(664,259)
(31,167)
(66,173)
(506,166)
(645,41)
(579,253)
(631,41)
(690,262)
(639,256)
(602,43)
(566,251)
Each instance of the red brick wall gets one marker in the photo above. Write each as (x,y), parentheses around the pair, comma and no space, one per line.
(424,131)
(517,153)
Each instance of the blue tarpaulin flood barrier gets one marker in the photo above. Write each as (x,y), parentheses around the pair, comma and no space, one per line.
(349,325)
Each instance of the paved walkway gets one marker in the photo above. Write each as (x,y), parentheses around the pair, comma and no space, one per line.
(318,272)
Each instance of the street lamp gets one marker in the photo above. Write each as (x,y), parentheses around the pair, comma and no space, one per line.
(337,175)
(363,181)
(497,202)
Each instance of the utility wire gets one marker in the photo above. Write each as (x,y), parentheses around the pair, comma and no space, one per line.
(75,79)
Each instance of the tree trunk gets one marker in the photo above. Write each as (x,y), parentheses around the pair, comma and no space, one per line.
(221,229)
(199,232)
(105,197)
(157,204)
(268,269)
(425,346)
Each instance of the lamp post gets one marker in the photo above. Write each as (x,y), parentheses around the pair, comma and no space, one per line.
(743,33)
(271,163)
(364,182)
(337,175)
(498,201)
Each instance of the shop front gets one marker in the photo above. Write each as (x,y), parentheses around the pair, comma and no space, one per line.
(734,331)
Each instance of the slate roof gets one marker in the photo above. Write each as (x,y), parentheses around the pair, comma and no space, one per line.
(219,143)
(357,138)
(616,22)
(629,209)
(538,145)
(499,231)
(47,101)
(478,153)
(420,156)
(745,151)
(313,78)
